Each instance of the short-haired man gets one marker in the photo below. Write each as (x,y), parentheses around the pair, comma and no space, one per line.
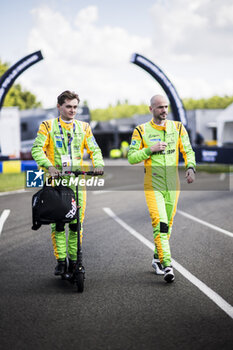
(59,142)
(157,143)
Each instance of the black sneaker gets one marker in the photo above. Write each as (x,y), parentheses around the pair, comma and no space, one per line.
(60,269)
(72,264)
(169,274)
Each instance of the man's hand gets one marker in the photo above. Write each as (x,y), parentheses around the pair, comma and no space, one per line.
(158,147)
(190,176)
(53,171)
(99,171)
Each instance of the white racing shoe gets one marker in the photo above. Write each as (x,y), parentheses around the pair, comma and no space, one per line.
(169,274)
(157,266)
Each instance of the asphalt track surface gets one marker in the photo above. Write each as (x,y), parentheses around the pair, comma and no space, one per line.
(124,304)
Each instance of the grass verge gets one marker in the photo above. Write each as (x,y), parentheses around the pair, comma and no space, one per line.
(11,182)
(215,168)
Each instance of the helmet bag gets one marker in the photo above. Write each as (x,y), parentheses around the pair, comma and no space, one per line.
(53,205)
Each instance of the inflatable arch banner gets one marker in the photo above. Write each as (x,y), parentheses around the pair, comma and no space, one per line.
(8,78)
(175,101)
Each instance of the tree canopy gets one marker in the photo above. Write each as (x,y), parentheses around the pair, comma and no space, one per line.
(125,110)
(17,96)
(118,111)
(214,102)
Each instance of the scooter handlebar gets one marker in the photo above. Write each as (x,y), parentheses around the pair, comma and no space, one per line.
(79,172)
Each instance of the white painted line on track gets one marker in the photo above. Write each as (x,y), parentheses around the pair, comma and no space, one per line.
(216,298)
(222,176)
(216,228)
(3,218)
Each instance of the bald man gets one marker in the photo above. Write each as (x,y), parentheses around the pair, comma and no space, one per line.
(158,143)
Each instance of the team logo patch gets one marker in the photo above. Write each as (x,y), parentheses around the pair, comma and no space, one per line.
(58,143)
(153,140)
(133,143)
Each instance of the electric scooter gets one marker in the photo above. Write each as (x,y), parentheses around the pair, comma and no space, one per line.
(78,274)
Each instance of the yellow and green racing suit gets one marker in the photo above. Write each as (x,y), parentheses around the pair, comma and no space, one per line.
(52,142)
(161,181)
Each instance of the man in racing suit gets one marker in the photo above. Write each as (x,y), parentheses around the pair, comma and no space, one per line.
(61,142)
(157,143)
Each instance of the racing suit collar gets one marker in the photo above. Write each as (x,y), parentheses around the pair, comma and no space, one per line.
(158,127)
(67,126)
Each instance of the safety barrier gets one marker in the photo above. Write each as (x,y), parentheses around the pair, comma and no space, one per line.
(204,154)
(17,166)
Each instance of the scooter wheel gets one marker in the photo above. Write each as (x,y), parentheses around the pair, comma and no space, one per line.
(80,282)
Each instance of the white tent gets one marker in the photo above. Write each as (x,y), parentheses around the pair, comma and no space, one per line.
(10,132)
(225,127)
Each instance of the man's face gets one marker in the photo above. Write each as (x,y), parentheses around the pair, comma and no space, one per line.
(159,108)
(68,109)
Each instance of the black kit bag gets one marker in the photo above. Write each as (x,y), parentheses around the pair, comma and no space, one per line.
(53,205)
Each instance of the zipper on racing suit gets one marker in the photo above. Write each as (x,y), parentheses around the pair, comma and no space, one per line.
(164,154)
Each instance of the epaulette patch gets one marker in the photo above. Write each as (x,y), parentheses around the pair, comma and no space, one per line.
(46,124)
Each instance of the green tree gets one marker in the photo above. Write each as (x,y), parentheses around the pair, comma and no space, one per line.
(120,110)
(17,96)
(125,110)
(214,102)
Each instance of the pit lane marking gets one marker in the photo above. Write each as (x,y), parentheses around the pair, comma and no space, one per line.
(216,298)
(3,218)
(216,228)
